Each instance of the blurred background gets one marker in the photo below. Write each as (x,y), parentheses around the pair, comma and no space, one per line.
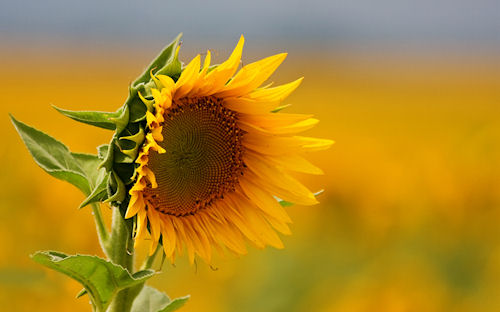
(409,90)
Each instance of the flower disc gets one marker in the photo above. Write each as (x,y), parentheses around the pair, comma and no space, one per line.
(203,157)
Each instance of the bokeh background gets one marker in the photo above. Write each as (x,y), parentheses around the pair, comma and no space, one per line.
(409,90)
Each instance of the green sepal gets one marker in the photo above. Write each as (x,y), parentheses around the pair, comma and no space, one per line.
(52,156)
(102,151)
(153,300)
(107,156)
(212,67)
(134,141)
(80,294)
(285,203)
(125,172)
(137,107)
(280,108)
(164,63)
(172,69)
(101,278)
(122,120)
(94,118)
(99,193)
(120,157)
(115,188)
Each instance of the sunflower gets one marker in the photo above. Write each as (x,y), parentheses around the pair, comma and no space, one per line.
(216,159)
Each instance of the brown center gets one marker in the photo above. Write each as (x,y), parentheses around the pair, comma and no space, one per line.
(203,158)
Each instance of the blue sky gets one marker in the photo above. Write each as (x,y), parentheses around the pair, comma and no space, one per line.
(455,21)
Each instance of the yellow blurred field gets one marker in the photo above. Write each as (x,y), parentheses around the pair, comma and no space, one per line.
(409,221)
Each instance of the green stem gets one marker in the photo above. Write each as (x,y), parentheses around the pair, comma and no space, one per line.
(148,262)
(122,253)
(102,231)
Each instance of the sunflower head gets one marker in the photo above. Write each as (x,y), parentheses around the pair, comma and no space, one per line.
(216,158)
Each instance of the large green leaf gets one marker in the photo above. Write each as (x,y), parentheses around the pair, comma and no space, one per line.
(150,300)
(52,156)
(99,191)
(97,177)
(98,119)
(90,166)
(163,63)
(101,278)
(175,304)
(153,300)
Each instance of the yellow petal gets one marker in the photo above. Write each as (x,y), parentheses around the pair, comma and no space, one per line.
(229,236)
(234,216)
(265,201)
(201,82)
(278,182)
(252,76)
(272,120)
(314,144)
(141,227)
(221,74)
(275,94)
(167,82)
(154,222)
(168,236)
(277,123)
(136,203)
(277,145)
(294,162)
(280,226)
(200,238)
(157,96)
(249,106)
(179,225)
(151,120)
(257,222)
(188,78)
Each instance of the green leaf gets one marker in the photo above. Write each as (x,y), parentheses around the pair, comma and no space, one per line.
(101,278)
(115,188)
(90,166)
(176,304)
(121,121)
(52,156)
(99,191)
(98,119)
(150,300)
(153,300)
(164,60)
(137,108)
(96,177)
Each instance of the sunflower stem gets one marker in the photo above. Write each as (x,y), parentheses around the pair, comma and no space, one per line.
(120,245)
(148,262)
(102,231)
